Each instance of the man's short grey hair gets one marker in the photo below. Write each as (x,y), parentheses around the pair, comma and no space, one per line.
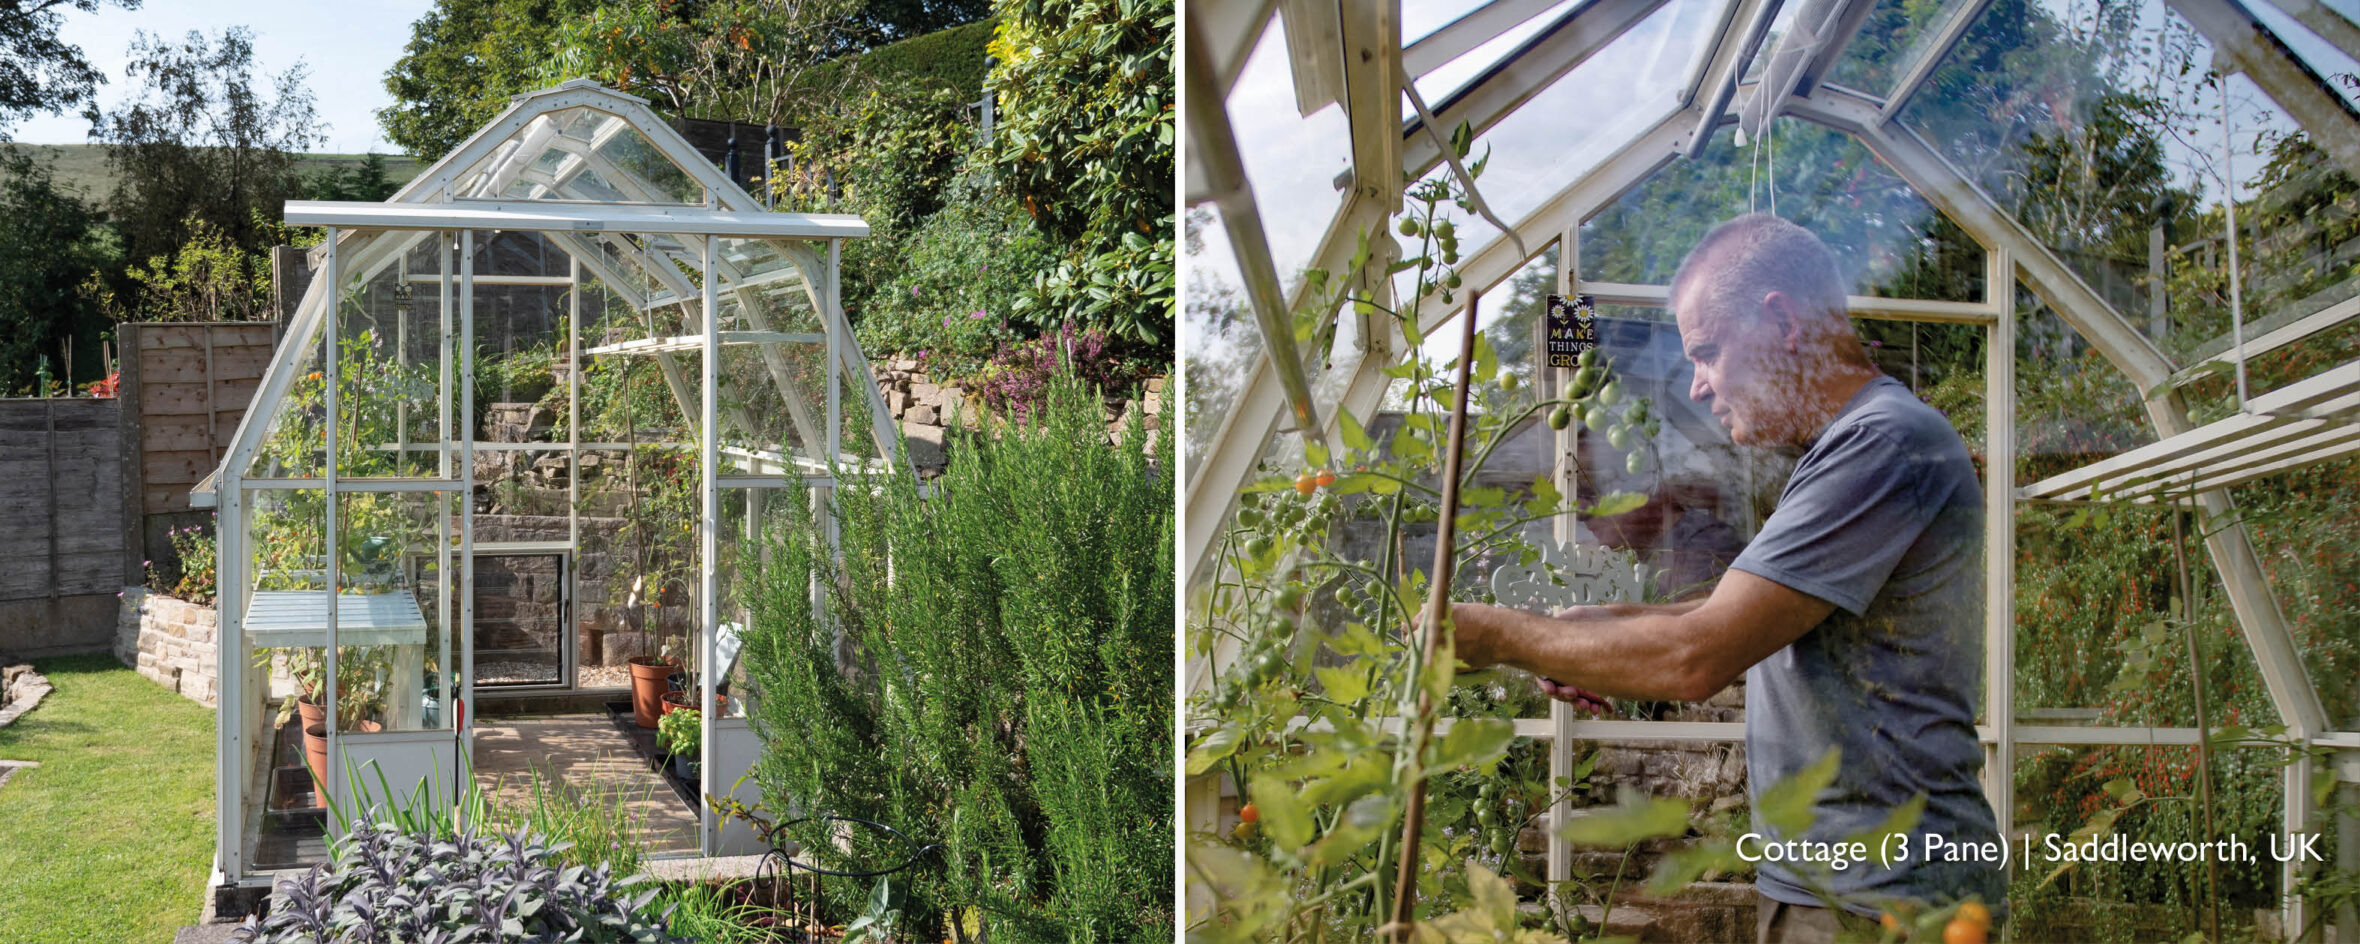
(1748,257)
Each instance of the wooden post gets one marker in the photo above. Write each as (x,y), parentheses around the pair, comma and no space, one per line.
(131,431)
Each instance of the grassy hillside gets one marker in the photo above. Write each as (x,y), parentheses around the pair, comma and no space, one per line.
(84,166)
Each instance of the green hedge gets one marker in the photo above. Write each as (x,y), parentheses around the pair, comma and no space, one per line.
(950,59)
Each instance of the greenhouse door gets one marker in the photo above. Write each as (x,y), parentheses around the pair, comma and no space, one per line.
(520,635)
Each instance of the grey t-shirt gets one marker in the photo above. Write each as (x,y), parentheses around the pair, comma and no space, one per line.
(1884,519)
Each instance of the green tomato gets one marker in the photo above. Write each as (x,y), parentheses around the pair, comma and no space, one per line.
(1584,381)
(1346,596)
(1650,427)
(1409,226)
(1250,499)
(1451,280)
(1635,463)
(1595,419)
(1638,412)
(1443,229)
(1258,547)
(1620,437)
(1610,393)
(1289,596)
(1560,417)
(1589,358)
(1249,517)
(1508,382)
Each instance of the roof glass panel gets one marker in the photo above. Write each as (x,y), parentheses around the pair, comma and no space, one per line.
(581,153)
(2087,132)
(2334,65)
(1887,240)
(1447,79)
(1291,161)
(1551,141)
(1895,36)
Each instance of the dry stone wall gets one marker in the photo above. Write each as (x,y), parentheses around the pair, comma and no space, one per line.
(927,410)
(171,641)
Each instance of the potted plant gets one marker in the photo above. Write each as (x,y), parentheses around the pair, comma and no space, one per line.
(686,700)
(679,733)
(650,678)
(360,696)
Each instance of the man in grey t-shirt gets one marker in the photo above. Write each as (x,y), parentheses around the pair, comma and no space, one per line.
(1856,615)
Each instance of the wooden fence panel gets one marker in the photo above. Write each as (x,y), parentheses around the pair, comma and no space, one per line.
(192,383)
(65,527)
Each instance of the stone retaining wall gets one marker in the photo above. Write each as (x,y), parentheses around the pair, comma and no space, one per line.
(926,410)
(171,641)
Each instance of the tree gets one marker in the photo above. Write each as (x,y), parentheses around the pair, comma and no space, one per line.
(201,144)
(1084,145)
(50,243)
(367,183)
(39,72)
(464,58)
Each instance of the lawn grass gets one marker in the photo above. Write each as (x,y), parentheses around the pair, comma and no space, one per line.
(111,838)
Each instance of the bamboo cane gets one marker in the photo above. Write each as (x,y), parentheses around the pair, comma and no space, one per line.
(1405,888)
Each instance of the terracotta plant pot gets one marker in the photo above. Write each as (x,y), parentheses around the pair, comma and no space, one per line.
(315,747)
(674,701)
(312,714)
(647,686)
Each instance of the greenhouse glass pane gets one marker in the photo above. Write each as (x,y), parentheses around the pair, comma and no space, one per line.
(390,368)
(582,154)
(2298,261)
(1895,36)
(2303,531)
(295,434)
(1449,78)
(1291,161)
(2325,60)
(2059,789)
(1217,330)
(1551,141)
(1887,240)
(390,556)
(2105,140)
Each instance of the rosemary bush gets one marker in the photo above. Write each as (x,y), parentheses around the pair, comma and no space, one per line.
(991,671)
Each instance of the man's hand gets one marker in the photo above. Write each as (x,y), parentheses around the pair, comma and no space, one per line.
(1574,695)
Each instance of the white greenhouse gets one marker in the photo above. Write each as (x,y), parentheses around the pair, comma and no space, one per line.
(525,415)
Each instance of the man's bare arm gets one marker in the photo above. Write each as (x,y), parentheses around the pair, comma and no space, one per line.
(1682,651)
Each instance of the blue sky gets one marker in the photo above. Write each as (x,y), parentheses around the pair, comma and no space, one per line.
(348,45)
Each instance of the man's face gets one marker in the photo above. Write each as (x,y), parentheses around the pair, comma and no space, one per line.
(1747,371)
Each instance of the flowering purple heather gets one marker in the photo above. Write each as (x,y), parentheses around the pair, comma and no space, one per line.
(980,313)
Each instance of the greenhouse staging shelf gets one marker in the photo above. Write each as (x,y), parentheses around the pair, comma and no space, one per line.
(2303,424)
(696,342)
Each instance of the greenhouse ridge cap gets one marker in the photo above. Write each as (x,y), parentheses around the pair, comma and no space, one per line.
(578,218)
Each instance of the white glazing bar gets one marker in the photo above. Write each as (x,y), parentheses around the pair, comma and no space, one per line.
(1999,538)
(229,649)
(446,394)
(463,706)
(401,356)
(573,405)
(1565,529)
(837,345)
(328,539)
(708,542)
